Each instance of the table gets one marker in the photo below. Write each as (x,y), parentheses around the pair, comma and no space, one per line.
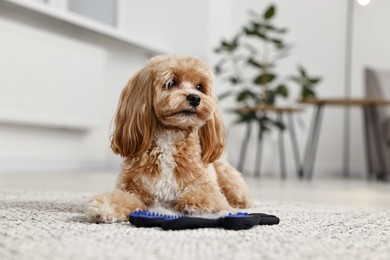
(369,107)
(279,110)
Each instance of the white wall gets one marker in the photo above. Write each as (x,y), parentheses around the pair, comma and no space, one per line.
(181,26)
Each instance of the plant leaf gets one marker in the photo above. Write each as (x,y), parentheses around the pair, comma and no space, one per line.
(248,31)
(257,25)
(228,46)
(269,13)
(254,32)
(282,90)
(264,79)
(243,95)
(274,29)
(307,93)
(277,41)
(255,63)
(314,81)
(302,71)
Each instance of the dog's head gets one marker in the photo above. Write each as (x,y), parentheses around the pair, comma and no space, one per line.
(169,92)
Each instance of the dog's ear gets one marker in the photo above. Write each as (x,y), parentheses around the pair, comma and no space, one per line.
(212,137)
(135,119)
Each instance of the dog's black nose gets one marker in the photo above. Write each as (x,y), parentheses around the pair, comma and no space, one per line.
(193,99)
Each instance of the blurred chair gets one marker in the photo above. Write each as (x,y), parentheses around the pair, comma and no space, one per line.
(377,86)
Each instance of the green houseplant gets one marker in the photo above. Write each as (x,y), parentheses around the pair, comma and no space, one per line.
(248,63)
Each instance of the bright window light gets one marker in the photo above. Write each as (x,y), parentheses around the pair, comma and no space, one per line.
(363,2)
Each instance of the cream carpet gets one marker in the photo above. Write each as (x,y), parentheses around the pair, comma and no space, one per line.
(51,225)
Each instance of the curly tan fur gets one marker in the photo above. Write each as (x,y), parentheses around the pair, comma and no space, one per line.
(171,147)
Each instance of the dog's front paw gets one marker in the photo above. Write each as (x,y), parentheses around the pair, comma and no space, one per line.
(238,198)
(113,206)
(101,210)
(241,202)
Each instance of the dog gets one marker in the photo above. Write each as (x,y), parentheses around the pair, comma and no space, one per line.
(169,130)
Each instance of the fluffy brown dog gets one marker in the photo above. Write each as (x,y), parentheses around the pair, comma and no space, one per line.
(169,129)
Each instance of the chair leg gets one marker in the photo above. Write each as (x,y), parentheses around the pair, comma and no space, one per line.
(303,169)
(311,145)
(316,134)
(281,148)
(294,142)
(382,175)
(367,138)
(346,144)
(244,147)
(259,152)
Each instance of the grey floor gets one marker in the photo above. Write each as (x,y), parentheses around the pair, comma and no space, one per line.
(321,190)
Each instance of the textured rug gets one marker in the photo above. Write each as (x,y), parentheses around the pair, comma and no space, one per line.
(52,225)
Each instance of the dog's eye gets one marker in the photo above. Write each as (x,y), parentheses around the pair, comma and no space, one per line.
(170,84)
(199,87)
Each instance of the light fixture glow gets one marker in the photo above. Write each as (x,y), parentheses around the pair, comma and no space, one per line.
(363,2)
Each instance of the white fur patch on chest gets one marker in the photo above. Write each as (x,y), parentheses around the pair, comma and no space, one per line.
(166,189)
